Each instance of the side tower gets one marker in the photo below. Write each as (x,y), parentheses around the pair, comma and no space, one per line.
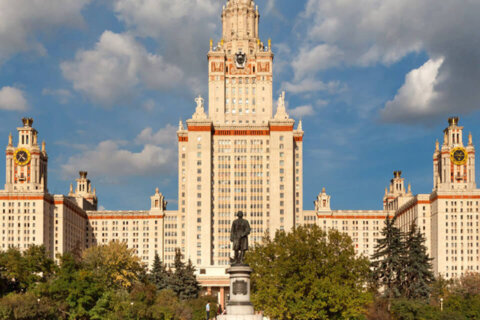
(453,162)
(454,205)
(25,198)
(26,163)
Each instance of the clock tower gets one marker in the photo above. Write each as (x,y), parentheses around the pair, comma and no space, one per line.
(453,162)
(26,163)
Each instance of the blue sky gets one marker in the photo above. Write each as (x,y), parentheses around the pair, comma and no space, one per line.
(107,81)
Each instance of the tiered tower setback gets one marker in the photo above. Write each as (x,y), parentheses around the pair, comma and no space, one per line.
(238,156)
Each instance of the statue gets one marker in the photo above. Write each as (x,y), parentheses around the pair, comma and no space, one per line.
(239,237)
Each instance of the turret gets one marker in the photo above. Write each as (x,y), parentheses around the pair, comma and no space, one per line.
(86,199)
(322,203)
(158,203)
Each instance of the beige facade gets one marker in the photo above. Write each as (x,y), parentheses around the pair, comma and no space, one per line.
(448,216)
(239,156)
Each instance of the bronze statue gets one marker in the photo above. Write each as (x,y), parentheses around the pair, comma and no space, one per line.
(239,237)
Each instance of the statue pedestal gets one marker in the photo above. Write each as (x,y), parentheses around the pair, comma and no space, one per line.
(239,306)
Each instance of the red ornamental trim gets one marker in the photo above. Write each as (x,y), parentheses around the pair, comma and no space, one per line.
(456,197)
(281,128)
(20,198)
(199,128)
(241,132)
(182,139)
(120,217)
(298,139)
(351,217)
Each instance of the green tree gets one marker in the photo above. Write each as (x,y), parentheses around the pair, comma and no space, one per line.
(388,259)
(115,264)
(308,274)
(26,306)
(464,297)
(20,271)
(183,281)
(417,276)
(159,275)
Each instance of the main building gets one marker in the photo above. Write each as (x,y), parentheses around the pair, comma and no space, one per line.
(240,155)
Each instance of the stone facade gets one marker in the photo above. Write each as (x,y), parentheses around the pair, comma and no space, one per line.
(448,216)
(238,155)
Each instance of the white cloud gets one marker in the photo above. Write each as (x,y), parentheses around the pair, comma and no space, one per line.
(182,29)
(302,111)
(62,95)
(22,20)
(311,60)
(117,68)
(165,135)
(417,97)
(313,85)
(364,33)
(112,161)
(12,99)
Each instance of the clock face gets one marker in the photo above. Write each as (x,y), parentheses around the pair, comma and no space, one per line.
(459,156)
(22,157)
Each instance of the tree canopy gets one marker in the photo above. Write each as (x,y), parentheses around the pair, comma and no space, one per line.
(308,274)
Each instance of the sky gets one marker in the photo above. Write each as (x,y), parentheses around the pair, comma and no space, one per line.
(106,81)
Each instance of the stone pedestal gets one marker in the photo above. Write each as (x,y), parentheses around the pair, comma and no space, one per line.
(239,306)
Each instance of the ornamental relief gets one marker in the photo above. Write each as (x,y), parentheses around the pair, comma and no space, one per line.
(235,71)
(263,67)
(217,67)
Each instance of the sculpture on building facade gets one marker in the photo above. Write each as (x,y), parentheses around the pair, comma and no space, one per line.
(239,237)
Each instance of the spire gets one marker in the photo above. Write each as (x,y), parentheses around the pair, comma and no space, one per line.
(470,139)
(437,145)
(281,110)
(240,20)
(10,140)
(445,138)
(71,188)
(157,191)
(180,125)
(43,146)
(409,188)
(386,191)
(299,128)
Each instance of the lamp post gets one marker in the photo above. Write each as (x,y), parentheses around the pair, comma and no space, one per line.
(441,304)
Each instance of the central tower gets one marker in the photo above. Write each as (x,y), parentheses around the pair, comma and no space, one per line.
(237,155)
(240,69)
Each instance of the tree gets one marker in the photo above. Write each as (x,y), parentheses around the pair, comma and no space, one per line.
(26,306)
(159,275)
(464,297)
(191,285)
(114,263)
(387,260)
(183,281)
(417,276)
(308,274)
(20,271)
